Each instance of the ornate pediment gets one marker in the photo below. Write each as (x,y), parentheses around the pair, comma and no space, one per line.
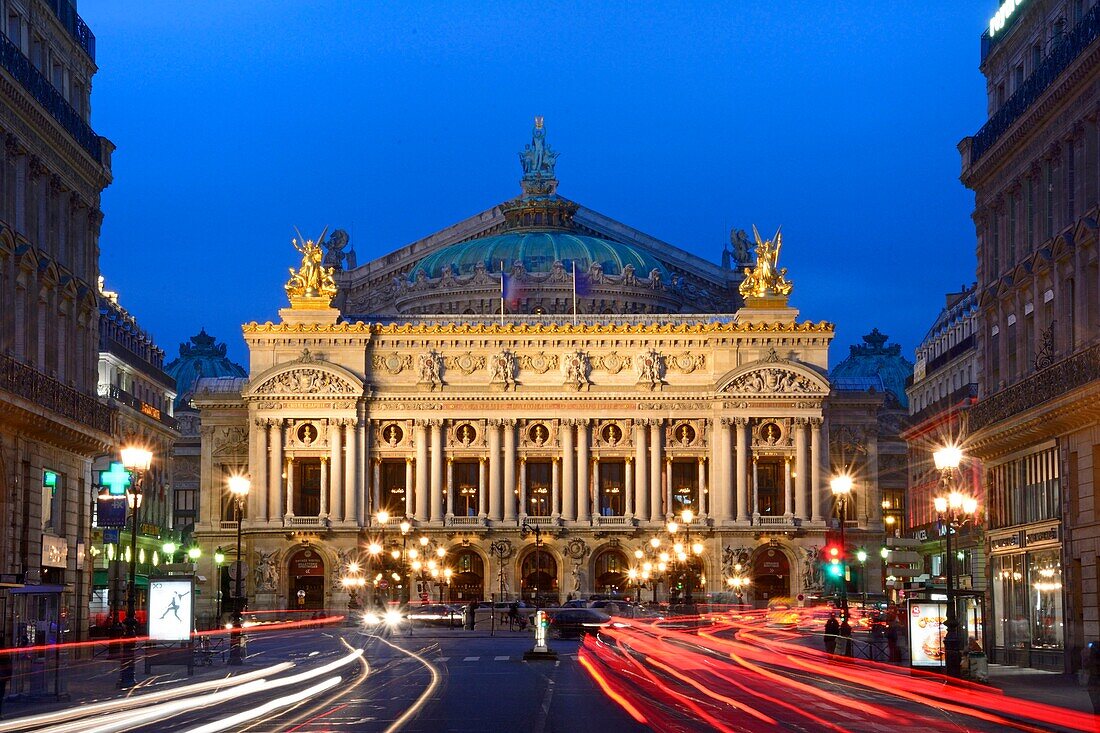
(776,379)
(306,381)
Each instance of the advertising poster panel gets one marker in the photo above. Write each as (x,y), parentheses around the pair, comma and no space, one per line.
(926,633)
(171,608)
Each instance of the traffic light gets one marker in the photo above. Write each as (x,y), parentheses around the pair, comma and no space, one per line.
(834,553)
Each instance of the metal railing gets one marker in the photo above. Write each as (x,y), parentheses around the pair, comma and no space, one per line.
(541,521)
(611,521)
(466,522)
(304,522)
(1064,53)
(965,392)
(228,526)
(75,25)
(768,521)
(20,67)
(1054,381)
(141,406)
(31,384)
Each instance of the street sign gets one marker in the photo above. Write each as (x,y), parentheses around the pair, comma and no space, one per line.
(110,511)
(111,536)
(117,480)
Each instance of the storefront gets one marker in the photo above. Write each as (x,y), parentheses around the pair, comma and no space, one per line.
(1028,612)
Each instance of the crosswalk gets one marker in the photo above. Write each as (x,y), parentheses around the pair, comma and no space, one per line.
(499,658)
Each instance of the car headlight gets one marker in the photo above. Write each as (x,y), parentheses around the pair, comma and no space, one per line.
(393,617)
(371,619)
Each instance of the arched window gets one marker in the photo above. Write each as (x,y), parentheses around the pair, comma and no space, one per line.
(539,577)
(611,570)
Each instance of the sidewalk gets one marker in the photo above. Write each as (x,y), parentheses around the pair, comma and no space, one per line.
(1052,688)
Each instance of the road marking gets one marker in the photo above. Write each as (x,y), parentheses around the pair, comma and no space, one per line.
(505,658)
(470,659)
(443,659)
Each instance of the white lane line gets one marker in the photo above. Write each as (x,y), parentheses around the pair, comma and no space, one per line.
(443,659)
(505,658)
(470,659)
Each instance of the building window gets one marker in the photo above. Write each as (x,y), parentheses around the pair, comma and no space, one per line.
(1029,241)
(307,487)
(1018,76)
(465,479)
(538,488)
(767,488)
(685,487)
(1045,588)
(51,500)
(1025,490)
(1049,189)
(612,488)
(393,487)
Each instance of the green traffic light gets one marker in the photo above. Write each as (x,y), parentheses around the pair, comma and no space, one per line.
(836,570)
(170,548)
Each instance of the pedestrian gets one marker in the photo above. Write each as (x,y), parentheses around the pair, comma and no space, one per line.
(1091,659)
(5,675)
(832,628)
(892,641)
(845,638)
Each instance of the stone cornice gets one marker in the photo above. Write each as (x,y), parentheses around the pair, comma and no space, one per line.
(430,329)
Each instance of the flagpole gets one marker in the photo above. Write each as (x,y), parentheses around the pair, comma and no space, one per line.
(574,292)
(502,293)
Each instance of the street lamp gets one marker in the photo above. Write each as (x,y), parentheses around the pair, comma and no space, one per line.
(136,460)
(842,488)
(524,529)
(219,559)
(737,584)
(406,526)
(954,510)
(238,487)
(501,549)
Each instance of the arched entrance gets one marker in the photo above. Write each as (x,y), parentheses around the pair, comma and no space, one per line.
(610,573)
(468,581)
(771,576)
(539,578)
(306,571)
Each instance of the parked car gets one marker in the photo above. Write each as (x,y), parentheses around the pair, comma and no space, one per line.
(435,613)
(573,622)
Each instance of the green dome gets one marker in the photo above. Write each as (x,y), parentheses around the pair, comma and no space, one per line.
(538,250)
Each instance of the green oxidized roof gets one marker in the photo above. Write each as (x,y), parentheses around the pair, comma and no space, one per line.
(203,357)
(538,250)
(873,359)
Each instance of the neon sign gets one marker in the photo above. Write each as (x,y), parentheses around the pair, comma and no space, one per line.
(1004,13)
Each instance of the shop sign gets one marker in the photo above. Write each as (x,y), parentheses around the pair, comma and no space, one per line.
(1042,536)
(921,534)
(110,511)
(1008,542)
(171,609)
(772,562)
(55,552)
(307,562)
(926,633)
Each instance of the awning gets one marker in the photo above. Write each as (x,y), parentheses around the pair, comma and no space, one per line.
(100,579)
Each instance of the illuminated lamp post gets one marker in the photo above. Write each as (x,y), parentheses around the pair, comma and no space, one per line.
(954,510)
(861,555)
(526,528)
(238,487)
(737,584)
(406,526)
(219,559)
(136,460)
(841,487)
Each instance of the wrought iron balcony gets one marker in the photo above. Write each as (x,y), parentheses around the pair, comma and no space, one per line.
(124,397)
(20,67)
(1064,53)
(1054,381)
(31,384)
(75,25)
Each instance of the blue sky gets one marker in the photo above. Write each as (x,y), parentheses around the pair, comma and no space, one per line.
(236,122)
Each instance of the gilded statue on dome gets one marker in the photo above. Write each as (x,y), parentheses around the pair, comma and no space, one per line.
(766,279)
(312,279)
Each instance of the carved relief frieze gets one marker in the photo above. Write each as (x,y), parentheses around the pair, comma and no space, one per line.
(429,368)
(538,434)
(686,363)
(650,366)
(231,441)
(466,434)
(686,433)
(612,434)
(575,367)
(306,381)
(394,363)
(776,381)
(612,362)
(467,363)
(772,432)
(539,363)
(502,369)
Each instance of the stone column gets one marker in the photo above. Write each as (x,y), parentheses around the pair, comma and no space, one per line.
(801,466)
(377,496)
(420,506)
(741,425)
(815,471)
(496,478)
(522,489)
(336,470)
(755,490)
(655,514)
(787,487)
(509,470)
(207,478)
(436,500)
(669,507)
(640,488)
(409,488)
(593,493)
(450,488)
(555,488)
(352,495)
(324,487)
(261,492)
(568,470)
(583,477)
(716,499)
(275,465)
(704,504)
(628,487)
(365,484)
(482,489)
(290,486)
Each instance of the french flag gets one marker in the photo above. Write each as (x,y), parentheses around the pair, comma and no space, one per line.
(511,289)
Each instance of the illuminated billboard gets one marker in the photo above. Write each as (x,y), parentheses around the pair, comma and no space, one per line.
(171,608)
(926,633)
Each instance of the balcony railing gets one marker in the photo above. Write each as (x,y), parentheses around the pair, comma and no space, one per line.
(228,526)
(20,67)
(47,392)
(466,522)
(304,522)
(541,521)
(769,521)
(965,392)
(75,25)
(1064,53)
(1054,381)
(603,521)
(144,408)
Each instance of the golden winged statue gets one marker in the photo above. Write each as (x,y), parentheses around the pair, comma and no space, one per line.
(766,279)
(312,279)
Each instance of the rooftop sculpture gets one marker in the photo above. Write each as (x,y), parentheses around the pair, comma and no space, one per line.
(311,281)
(766,279)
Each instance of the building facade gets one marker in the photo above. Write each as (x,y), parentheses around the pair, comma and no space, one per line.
(53,168)
(1035,170)
(132,381)
(941,389)
(478,427)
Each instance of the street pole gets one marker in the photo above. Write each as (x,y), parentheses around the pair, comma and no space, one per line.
(954,511)
(239,487)
(844,555)
(126,672)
